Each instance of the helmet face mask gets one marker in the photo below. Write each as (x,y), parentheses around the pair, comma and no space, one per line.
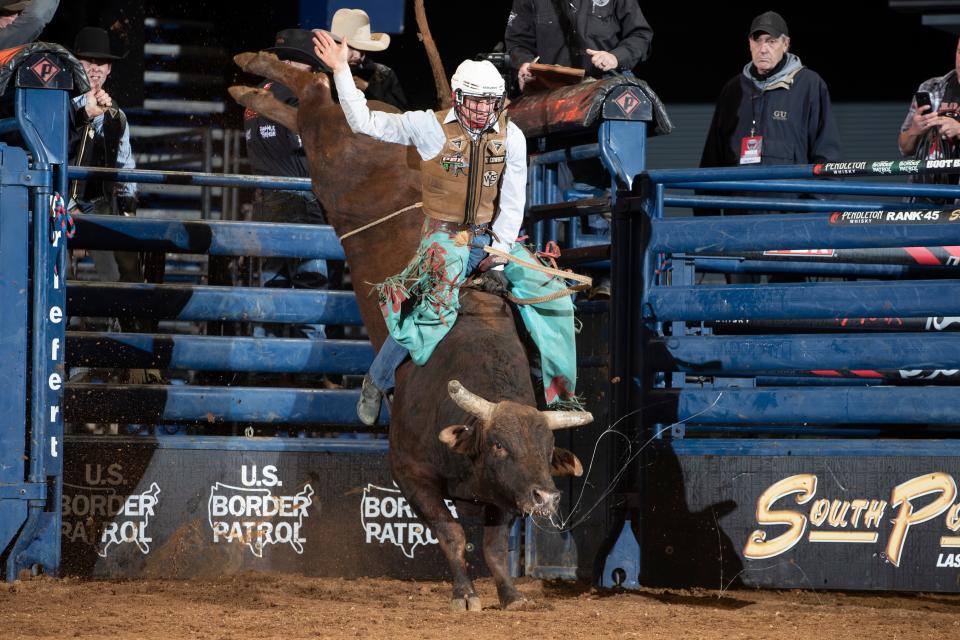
(477,113)
(478,95)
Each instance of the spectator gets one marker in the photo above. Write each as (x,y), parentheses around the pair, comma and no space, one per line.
(381,82)
(944,93)
(274,150)
(22,22)
(100,137)
(600,36)
(776,111)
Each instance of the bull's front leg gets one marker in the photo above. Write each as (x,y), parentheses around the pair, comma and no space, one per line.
(496,534)
(425,497)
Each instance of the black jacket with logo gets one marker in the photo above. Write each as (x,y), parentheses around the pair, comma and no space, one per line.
(559,31)
(274,150)
(794,118)
(793,115)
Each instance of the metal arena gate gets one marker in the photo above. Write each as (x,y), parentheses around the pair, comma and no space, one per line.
(785,435)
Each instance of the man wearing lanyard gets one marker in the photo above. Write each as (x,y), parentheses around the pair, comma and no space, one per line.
(776,111)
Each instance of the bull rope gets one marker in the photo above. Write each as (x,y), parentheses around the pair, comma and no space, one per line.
(379,220)
(585,281)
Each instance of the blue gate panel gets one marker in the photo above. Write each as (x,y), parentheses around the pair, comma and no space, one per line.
(151,404)
(14,285)
(750,355)
(808,405)
(830,187)
(775,204)
(189,302)
(212,238)
(908,298)
(803,231)
(217,353)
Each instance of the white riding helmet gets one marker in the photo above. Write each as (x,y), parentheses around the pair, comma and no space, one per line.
(479,80)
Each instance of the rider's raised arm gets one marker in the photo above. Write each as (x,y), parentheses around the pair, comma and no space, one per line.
(418,128)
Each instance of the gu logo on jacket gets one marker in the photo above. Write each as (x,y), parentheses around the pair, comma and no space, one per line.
(780,115)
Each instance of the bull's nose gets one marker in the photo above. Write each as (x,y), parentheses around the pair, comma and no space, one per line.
(546,500)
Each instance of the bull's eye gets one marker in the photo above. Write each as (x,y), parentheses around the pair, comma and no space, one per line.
(498,448)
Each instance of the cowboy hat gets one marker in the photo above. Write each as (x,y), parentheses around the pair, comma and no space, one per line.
(14,6)
(93,42)
(354,25)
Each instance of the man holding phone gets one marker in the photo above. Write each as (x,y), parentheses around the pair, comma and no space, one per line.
(936,104)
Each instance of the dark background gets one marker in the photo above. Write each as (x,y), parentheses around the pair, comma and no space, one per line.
(864,50)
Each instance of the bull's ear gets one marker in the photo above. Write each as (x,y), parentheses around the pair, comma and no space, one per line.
(564,463)
(459,437)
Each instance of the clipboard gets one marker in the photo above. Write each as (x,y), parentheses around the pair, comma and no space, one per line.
(552,76)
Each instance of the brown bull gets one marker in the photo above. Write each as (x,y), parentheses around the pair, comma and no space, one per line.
(490,445)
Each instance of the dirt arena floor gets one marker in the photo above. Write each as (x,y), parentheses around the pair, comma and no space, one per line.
(271,606)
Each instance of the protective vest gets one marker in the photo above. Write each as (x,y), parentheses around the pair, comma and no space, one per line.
(461,183)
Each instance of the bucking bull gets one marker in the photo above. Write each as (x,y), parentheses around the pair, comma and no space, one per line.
(488,445)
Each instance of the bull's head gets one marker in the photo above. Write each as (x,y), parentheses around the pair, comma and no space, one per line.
(511,448)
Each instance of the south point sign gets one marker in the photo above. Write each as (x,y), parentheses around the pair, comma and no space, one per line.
(856,521)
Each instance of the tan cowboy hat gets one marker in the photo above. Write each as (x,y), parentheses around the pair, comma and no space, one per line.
(354,25)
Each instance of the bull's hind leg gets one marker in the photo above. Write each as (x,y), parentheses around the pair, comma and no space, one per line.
(424,496)
(496,531)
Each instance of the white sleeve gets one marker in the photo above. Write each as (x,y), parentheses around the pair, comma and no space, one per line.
(418,128)
(513,190)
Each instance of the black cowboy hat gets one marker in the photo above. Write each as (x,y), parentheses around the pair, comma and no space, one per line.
(93,42)
(296,45)
(13,6)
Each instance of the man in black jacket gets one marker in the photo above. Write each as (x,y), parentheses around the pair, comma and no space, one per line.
(600,36)
(274,150)
(775,112)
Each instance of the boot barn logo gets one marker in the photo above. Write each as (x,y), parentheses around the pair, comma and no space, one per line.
(99,514)
(252,515)
(386,517)
(930,497)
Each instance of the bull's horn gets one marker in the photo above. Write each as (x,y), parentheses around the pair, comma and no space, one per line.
(470,402)
(566,419)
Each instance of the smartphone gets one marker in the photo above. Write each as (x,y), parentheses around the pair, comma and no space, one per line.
(923,99)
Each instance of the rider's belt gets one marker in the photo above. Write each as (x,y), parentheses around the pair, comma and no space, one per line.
(434,225)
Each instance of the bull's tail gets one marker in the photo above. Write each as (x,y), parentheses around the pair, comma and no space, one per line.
(439,75)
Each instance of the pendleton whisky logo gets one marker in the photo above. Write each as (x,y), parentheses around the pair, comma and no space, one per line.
(857,521)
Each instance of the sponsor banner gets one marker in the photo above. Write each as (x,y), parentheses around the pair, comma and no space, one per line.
(858,522)
(139,510)
(910,216)
(886,168)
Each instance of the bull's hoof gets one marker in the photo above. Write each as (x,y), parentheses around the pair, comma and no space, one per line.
(466,603)
(243,95)
(260,63)
(243,59)
(520,604)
